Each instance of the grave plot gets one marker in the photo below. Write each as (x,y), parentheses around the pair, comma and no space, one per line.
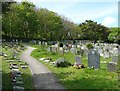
(16,74)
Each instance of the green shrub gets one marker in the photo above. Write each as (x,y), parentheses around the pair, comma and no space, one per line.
(89,45)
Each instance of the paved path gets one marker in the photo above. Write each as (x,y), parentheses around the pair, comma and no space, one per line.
(42,77)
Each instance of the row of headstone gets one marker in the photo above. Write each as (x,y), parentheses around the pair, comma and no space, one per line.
(42,43)
(93,55)
(16,76)
(93,59)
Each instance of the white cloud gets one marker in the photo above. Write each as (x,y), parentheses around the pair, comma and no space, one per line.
(109,21)
(89,14)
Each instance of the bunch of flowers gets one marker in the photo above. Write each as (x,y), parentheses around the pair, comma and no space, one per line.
(78,66)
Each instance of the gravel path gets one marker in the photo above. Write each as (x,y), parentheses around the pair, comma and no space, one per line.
(42,77)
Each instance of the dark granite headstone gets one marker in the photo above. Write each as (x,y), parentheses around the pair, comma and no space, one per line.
(94,59)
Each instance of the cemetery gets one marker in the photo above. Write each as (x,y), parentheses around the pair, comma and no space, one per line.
(74,69)
(43,50)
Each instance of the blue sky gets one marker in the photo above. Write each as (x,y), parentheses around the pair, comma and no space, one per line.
(101,11)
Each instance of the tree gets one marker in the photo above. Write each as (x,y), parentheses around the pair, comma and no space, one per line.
(20,21)
(50,24)
(6,4)
(90,30)
(114,35)
(70,30)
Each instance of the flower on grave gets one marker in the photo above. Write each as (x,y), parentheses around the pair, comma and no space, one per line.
(78,66)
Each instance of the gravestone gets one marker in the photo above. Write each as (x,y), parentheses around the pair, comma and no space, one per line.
(61,51)
(39,42)
(112,66)
(94,59)
(119,50)
(49,49)
(54,49)
(115,59)
(78,60)
(15,54)
(115,51)
(86,51)
(46,43)
(100,51)
(106,54)
(78,52)
(73,50)
(1,53)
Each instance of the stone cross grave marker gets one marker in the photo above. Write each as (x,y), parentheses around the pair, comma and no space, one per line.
(94,59)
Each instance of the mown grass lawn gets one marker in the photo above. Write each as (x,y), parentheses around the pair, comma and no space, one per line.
(6,78)
(84,78)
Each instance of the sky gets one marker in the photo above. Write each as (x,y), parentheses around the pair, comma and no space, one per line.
(104,12)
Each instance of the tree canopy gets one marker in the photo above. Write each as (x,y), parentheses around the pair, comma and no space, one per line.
(24,20)
(90,30)
(114,36)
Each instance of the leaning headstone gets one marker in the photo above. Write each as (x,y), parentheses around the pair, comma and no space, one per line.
(112,66)
(94,59)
